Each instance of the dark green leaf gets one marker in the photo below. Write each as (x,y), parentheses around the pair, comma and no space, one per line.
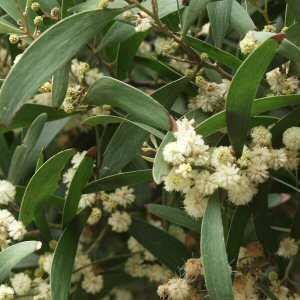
(219,13)
(121,150)
(12,255)
(243,90)
(43,184)
(175,215)
(220,56)
(64,257)
(7,27)
(289,120)
(159,243)
(213,252)
(78,183)
(236,232)
(110,183)
(60,85)
(218,121)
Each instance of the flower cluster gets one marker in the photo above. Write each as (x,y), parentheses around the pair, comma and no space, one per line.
(281,83)
(197,170)
(211,96)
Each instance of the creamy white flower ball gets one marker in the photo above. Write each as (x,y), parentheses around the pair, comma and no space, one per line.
(291,138)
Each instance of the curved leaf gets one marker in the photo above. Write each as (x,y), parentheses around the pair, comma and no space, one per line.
(60,84)
(218,121)
(53,49)
(110,183)
(78,183)
(104,120)
(43,184)
(139,105)
(219,55)
(64,257)
(213,251)
(12,255)
(289,120)
(174,215)
(159,243)
(243,90)
(160,167)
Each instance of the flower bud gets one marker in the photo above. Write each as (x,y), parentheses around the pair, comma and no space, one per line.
(38,20)
(55,12)
(35,6)
(14,39)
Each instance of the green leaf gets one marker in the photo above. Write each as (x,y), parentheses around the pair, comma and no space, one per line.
(7,27)
(289,120)
(11,8)
(174,215)
(64,257)
(240,20)
(53,49)
(218,121)
(20,156)
(121,150)
(110,183)
(294,9)
(60,84)
(167,94)
(65,6)
(262,219)
(5,157)
(195,10)
(159,243)
(290,51)
(78,183)
(139,105)
(160,167)
(219,13)
(12,255)
(213,252)
(126,54)
(219,55)
(43,184)
(105,119)
(236,232)
(243,90)
(25,116)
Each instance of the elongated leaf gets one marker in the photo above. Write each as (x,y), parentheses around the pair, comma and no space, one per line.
(110,183)
(236,233)
(160,167)
(174,215)
(240,20)
(213,251)
(289,120)
(20,156)
(219,13)
(60,85)
(7,27)
(159,243)
(167,94)
(220,56)
(65,6)
(12,9)
(262,105)
(104,120)
(5,155)
(243,90)
(78,183)
(290,51)
(195,10)
(121,150)
(43,184)
(25,116)
(107,90)
(64,257)
(262,220)
(294,8)
(12,255)
(47,54)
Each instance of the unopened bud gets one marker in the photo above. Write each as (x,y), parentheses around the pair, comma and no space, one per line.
(55,12)
(35,6)
(38,20)
(14,39)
